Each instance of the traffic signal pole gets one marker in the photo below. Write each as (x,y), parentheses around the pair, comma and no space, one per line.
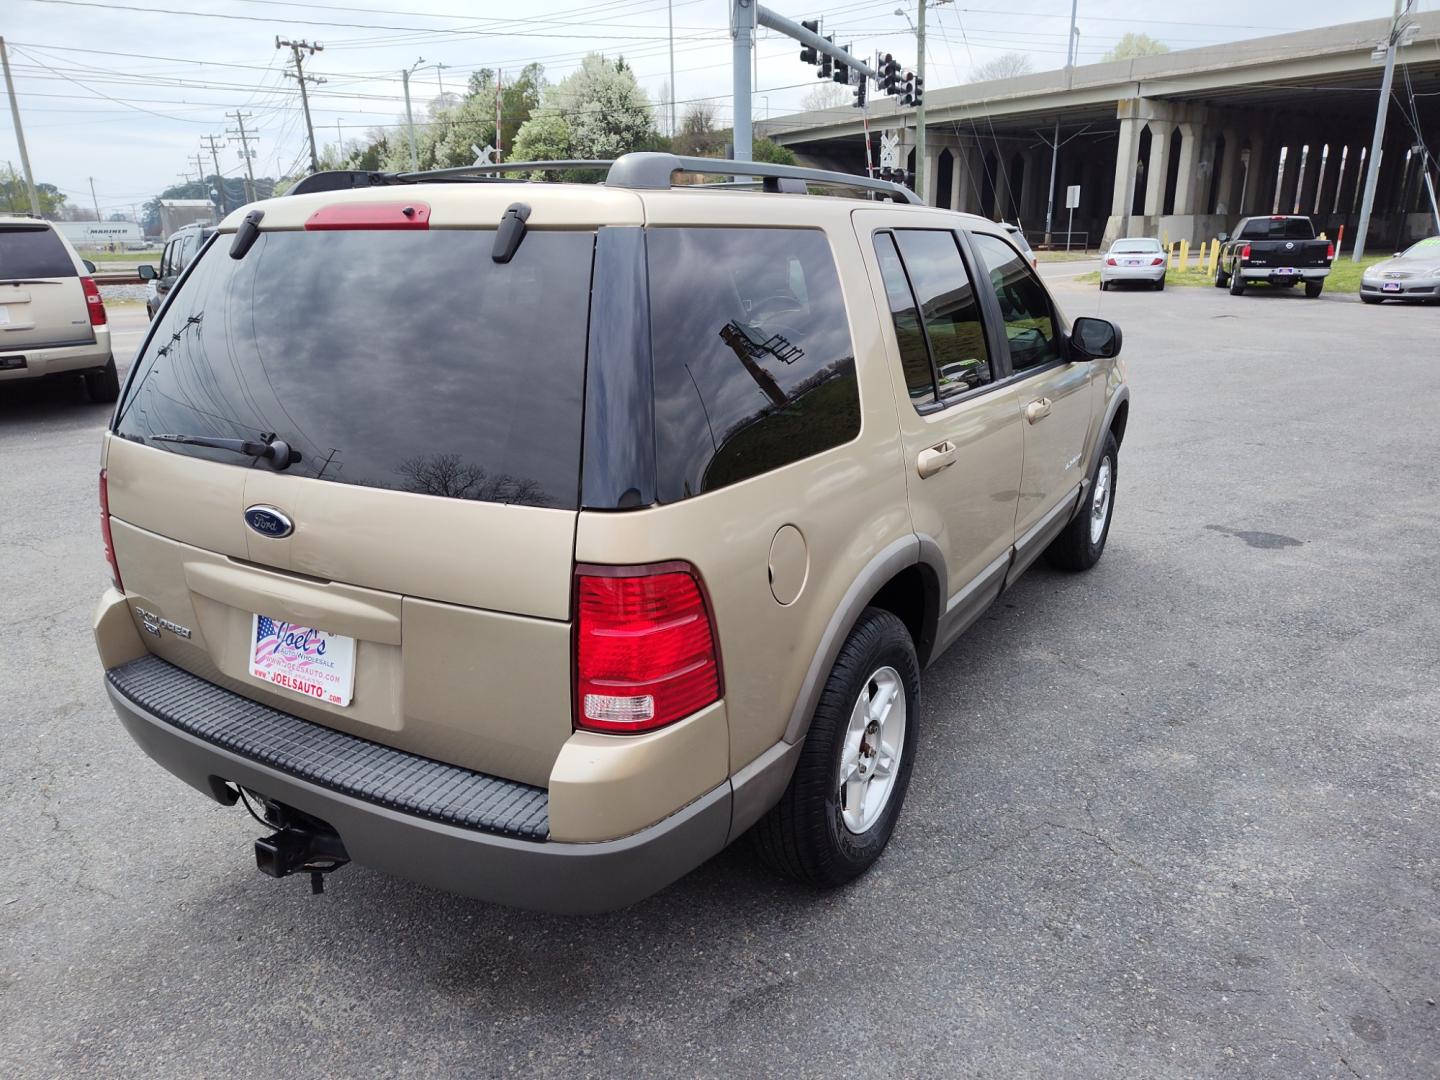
(920,108)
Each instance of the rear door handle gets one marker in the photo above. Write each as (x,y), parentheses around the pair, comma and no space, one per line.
(1038,409)
(934,458)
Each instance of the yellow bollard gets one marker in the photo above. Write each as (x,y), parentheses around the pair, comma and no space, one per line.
(1204,255)
(1214,257)
(1184,255)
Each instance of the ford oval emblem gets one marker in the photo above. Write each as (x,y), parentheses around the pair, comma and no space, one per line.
(268,521)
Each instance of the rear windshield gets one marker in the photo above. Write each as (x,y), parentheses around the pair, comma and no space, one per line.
(1134,247)
(401,360)
(29,252)
(1278,229)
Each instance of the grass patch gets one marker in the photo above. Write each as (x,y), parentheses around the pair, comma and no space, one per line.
(1344,275)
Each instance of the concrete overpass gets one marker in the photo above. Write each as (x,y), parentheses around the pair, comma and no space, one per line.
(1182,144)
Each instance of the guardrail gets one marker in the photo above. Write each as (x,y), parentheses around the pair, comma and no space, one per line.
(125,277)
(1059,240)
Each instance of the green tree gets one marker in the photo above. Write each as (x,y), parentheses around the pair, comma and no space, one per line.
(1132,45)
(15,197)
(598,111)
(766,150)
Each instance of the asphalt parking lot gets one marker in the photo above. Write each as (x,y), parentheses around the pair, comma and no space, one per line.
(1177,817)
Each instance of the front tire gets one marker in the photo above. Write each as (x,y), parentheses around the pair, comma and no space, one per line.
(838,812)
(1081,544)
(103,386)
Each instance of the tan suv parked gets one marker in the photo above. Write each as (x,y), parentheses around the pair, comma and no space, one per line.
(536,541)
(52,319)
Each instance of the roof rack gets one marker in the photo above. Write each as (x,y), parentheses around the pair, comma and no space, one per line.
(641,171)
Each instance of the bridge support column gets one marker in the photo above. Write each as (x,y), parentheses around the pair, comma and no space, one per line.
(1330,181)
(932,170)
(1127,151)
(1187,183)
(1158,169)
(1315,169)
(1290,178)
(1227,175)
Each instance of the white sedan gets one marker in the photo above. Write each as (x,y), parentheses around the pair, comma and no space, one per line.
(1140,259)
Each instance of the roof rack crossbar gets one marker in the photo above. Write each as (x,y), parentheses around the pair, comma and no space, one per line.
(642,171)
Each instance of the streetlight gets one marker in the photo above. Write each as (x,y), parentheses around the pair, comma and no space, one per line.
(409,115)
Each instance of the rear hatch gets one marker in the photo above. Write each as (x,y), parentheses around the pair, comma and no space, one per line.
(1301,254)
(408,579)
(42,303)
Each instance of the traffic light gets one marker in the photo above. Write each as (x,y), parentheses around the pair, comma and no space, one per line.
(889,75)
(827,65)
(907,89)
(810,54)
(860,89)
(842,70)
(918,94)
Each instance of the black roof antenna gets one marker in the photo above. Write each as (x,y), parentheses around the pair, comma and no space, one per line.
(246,234)
(510,232)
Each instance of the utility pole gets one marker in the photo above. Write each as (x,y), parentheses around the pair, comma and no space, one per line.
(240,133)
(409,115)
(199,168)
(296,48)
(1055,142)
(920,108)
(670,14)
(219,180)
(94,200)
(742,28)
(1398,27)
(19,132)
(499,104)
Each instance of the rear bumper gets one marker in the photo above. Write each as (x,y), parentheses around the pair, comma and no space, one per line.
(57,360)
(1132,273)
(1271,273)
(482,862)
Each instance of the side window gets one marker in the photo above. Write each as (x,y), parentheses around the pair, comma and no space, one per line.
(914,356)
(753,364)
(928,275)
(167,257)
(188,247)
(1030,325)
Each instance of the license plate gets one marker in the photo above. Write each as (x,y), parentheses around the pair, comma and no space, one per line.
(1134,262)
(1390,286)
(1281,271)
(305,660)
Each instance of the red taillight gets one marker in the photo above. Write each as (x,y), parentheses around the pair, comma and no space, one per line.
(1111,262)
(1157,262)
(645,649)
(1329,251)
(1245,252)
(105,529)
(93,302)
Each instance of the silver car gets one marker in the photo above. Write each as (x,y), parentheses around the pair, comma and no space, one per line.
(1139,258)
(1414,275)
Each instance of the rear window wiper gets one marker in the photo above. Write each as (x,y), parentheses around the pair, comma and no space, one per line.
(277,452)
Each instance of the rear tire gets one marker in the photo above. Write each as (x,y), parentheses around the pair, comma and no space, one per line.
(103,386)
(826,830)
(1313,289)
(1237,284)
(1082,543)
(1104,285)
(1160,285)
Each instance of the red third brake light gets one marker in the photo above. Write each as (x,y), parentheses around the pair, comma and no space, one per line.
(645,648)
(105,529)
(93,302)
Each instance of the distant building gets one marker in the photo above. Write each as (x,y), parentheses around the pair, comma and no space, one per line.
(177,213)
(102,234)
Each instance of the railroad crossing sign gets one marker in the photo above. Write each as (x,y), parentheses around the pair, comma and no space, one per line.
(889,150)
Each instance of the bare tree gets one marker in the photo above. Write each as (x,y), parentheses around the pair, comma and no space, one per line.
(1005,66)
(826,95)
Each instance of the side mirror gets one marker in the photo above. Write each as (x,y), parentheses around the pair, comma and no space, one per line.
(1224,238)
(147,272)
(89,266)
(1094,339)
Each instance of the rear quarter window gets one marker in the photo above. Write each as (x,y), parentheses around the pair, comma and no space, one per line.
(401,360)
(753,363)
(27,252)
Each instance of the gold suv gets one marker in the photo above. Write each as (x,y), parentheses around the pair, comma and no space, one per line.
(538,540)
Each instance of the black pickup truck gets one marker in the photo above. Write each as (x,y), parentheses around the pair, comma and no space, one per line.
(1278,251)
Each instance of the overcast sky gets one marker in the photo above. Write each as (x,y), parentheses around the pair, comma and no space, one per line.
(158,77)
